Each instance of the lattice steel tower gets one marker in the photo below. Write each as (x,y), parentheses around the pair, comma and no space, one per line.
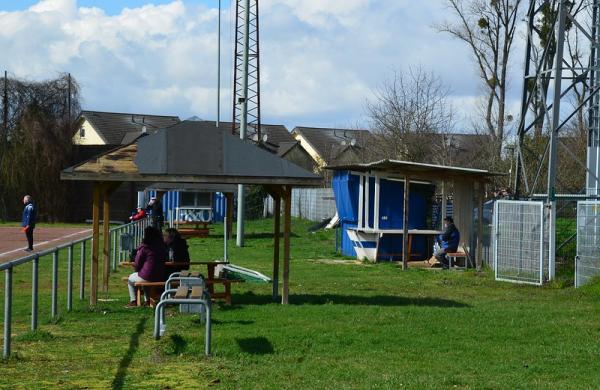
(550,77)
(246,72)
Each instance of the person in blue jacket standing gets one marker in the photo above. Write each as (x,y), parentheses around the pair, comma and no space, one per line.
(29,214)
(449,241)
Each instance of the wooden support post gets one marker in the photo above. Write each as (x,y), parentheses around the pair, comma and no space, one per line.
(444,210)
(276,233)
(95,244)
(107,191)
(405,211)
(287,221)
(106,239)
(229,198)
(480,200)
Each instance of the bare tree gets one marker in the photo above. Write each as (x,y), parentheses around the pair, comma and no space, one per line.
(407,116)
(488,27)
(37,144)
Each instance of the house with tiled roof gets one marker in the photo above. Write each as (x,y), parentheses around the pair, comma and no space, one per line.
(328,146)
(112,128)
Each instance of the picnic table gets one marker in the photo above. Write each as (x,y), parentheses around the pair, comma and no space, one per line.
(210,279)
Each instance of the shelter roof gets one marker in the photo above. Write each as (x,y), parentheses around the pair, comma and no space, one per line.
(191,152)
(120,128)
(417,170)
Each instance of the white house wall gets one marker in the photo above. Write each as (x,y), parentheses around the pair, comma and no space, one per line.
(91,136)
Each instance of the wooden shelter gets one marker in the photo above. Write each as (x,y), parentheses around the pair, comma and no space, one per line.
(190,153)
(468,190)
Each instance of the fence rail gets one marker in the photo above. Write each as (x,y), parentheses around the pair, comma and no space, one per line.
(134,231)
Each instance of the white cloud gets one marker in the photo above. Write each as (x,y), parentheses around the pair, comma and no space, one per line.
(320,60)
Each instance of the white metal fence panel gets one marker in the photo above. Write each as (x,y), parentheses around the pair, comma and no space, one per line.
(587,261)
(519,241)
(314,204)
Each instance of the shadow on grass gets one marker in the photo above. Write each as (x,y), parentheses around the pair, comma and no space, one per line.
(134,342)
(255,345)
(328,299)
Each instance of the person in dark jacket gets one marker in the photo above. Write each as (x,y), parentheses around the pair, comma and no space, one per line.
(156,213)
(448,240)
(149,263)
(29,217)
(177,248)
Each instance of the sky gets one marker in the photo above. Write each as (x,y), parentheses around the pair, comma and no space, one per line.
(321,61)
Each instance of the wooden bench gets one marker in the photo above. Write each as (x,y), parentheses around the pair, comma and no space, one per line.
(197,231)
(154,291)
(454,256)
(226,295)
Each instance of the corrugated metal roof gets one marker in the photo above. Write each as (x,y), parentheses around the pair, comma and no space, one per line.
(397,166)
(121,128)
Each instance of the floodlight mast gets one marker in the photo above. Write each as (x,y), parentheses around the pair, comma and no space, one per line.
(246,87)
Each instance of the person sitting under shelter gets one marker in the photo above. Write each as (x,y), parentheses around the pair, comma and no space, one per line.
(140,214)
(177,248)
(149,263)
(448,240)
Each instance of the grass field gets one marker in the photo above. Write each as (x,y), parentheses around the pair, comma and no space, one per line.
(348,325)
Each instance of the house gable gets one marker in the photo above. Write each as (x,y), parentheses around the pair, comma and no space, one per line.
(88,135)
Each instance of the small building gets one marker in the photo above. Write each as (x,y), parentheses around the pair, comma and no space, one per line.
(114,128)
(330,146)
(385,208)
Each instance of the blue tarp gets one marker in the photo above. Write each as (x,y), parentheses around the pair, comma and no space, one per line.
(391,205)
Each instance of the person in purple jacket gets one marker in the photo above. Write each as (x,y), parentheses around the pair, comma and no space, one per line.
(149,263)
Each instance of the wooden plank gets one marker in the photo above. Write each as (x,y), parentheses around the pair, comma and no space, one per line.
(481,199)
(181,293)
(184,274)
(196,292)
(287,221)
(405,213)
(149,284)
(95,244)
(276,233)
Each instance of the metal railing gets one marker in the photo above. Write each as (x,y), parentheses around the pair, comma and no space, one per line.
(134,229)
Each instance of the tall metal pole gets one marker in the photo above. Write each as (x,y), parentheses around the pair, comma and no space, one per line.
(244,118)
(5,106)
(69,103)
(558,75)
(219,67)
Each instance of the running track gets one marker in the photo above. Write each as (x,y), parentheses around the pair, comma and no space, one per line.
(13,241)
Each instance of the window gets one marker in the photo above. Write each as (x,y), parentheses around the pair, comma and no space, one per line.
(82,132)
(195,199)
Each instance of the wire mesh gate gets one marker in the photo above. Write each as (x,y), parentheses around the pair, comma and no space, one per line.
(587,261)
(519,241)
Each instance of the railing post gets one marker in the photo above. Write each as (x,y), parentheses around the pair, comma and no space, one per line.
(114,249)
(34,292)
(82,272)
(54,283)
(7,311)
(70,278)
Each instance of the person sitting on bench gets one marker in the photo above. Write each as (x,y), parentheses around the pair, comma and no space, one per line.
(449,240)
(177,248)
(149,263)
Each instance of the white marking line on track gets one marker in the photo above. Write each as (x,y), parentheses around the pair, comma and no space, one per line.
(47,242)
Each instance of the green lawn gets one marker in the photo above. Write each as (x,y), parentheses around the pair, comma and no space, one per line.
(348,326)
